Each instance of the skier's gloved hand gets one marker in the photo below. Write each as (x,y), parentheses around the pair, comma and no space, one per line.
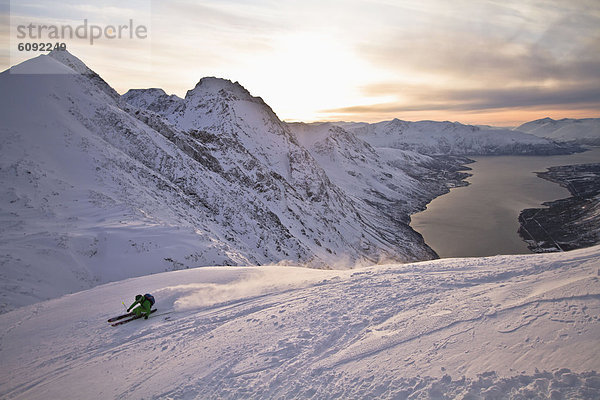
(146,316)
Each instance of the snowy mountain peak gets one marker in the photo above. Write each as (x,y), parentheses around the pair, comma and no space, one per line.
(68,59)
(395,126)
(57,62)
(154,99)
(584,131)
(434,137)
(79,67)
(42,64)
(213,86)
(58,69)
(150,91)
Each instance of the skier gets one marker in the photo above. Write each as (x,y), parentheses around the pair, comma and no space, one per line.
(144,303)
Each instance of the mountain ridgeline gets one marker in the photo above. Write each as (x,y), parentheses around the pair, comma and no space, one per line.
(582,131)
(101,187)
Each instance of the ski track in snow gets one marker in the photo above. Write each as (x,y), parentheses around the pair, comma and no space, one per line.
(459,328)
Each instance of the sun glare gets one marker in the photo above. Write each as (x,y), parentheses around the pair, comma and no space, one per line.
(308,72)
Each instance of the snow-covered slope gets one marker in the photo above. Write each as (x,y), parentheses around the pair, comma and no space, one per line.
(585,131)
(498,327)
(431,137)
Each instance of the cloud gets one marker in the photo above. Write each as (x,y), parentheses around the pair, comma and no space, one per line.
(404,56)
(520,97)
(468,100)
(561,53)
(479,56)
(221,16)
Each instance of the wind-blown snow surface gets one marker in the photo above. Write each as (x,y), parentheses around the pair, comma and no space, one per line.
(586,131)
(500,327)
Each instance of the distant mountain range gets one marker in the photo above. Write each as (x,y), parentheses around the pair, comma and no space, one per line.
(436,138)
(100,187)
(584,131)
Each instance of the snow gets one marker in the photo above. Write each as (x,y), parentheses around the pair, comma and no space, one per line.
(212,85)
(42,65)
(585,130)
(522,326)
(433,137)
(374,174)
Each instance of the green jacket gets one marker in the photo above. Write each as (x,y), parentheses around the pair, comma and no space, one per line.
(145,306)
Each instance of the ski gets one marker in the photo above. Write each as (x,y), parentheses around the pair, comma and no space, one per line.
(125,321)
(130,319)
(113,319)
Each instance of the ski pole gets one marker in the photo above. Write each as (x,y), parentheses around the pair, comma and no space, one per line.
(124,306)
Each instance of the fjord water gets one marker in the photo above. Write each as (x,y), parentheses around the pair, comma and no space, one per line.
(482,219)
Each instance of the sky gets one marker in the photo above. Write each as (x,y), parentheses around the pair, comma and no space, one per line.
(481,62)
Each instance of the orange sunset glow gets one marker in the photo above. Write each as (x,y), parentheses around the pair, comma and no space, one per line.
(480,62)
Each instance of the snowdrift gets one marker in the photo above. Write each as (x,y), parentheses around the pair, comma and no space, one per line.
(500,327)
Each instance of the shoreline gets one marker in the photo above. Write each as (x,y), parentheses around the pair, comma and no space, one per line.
(569,223)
